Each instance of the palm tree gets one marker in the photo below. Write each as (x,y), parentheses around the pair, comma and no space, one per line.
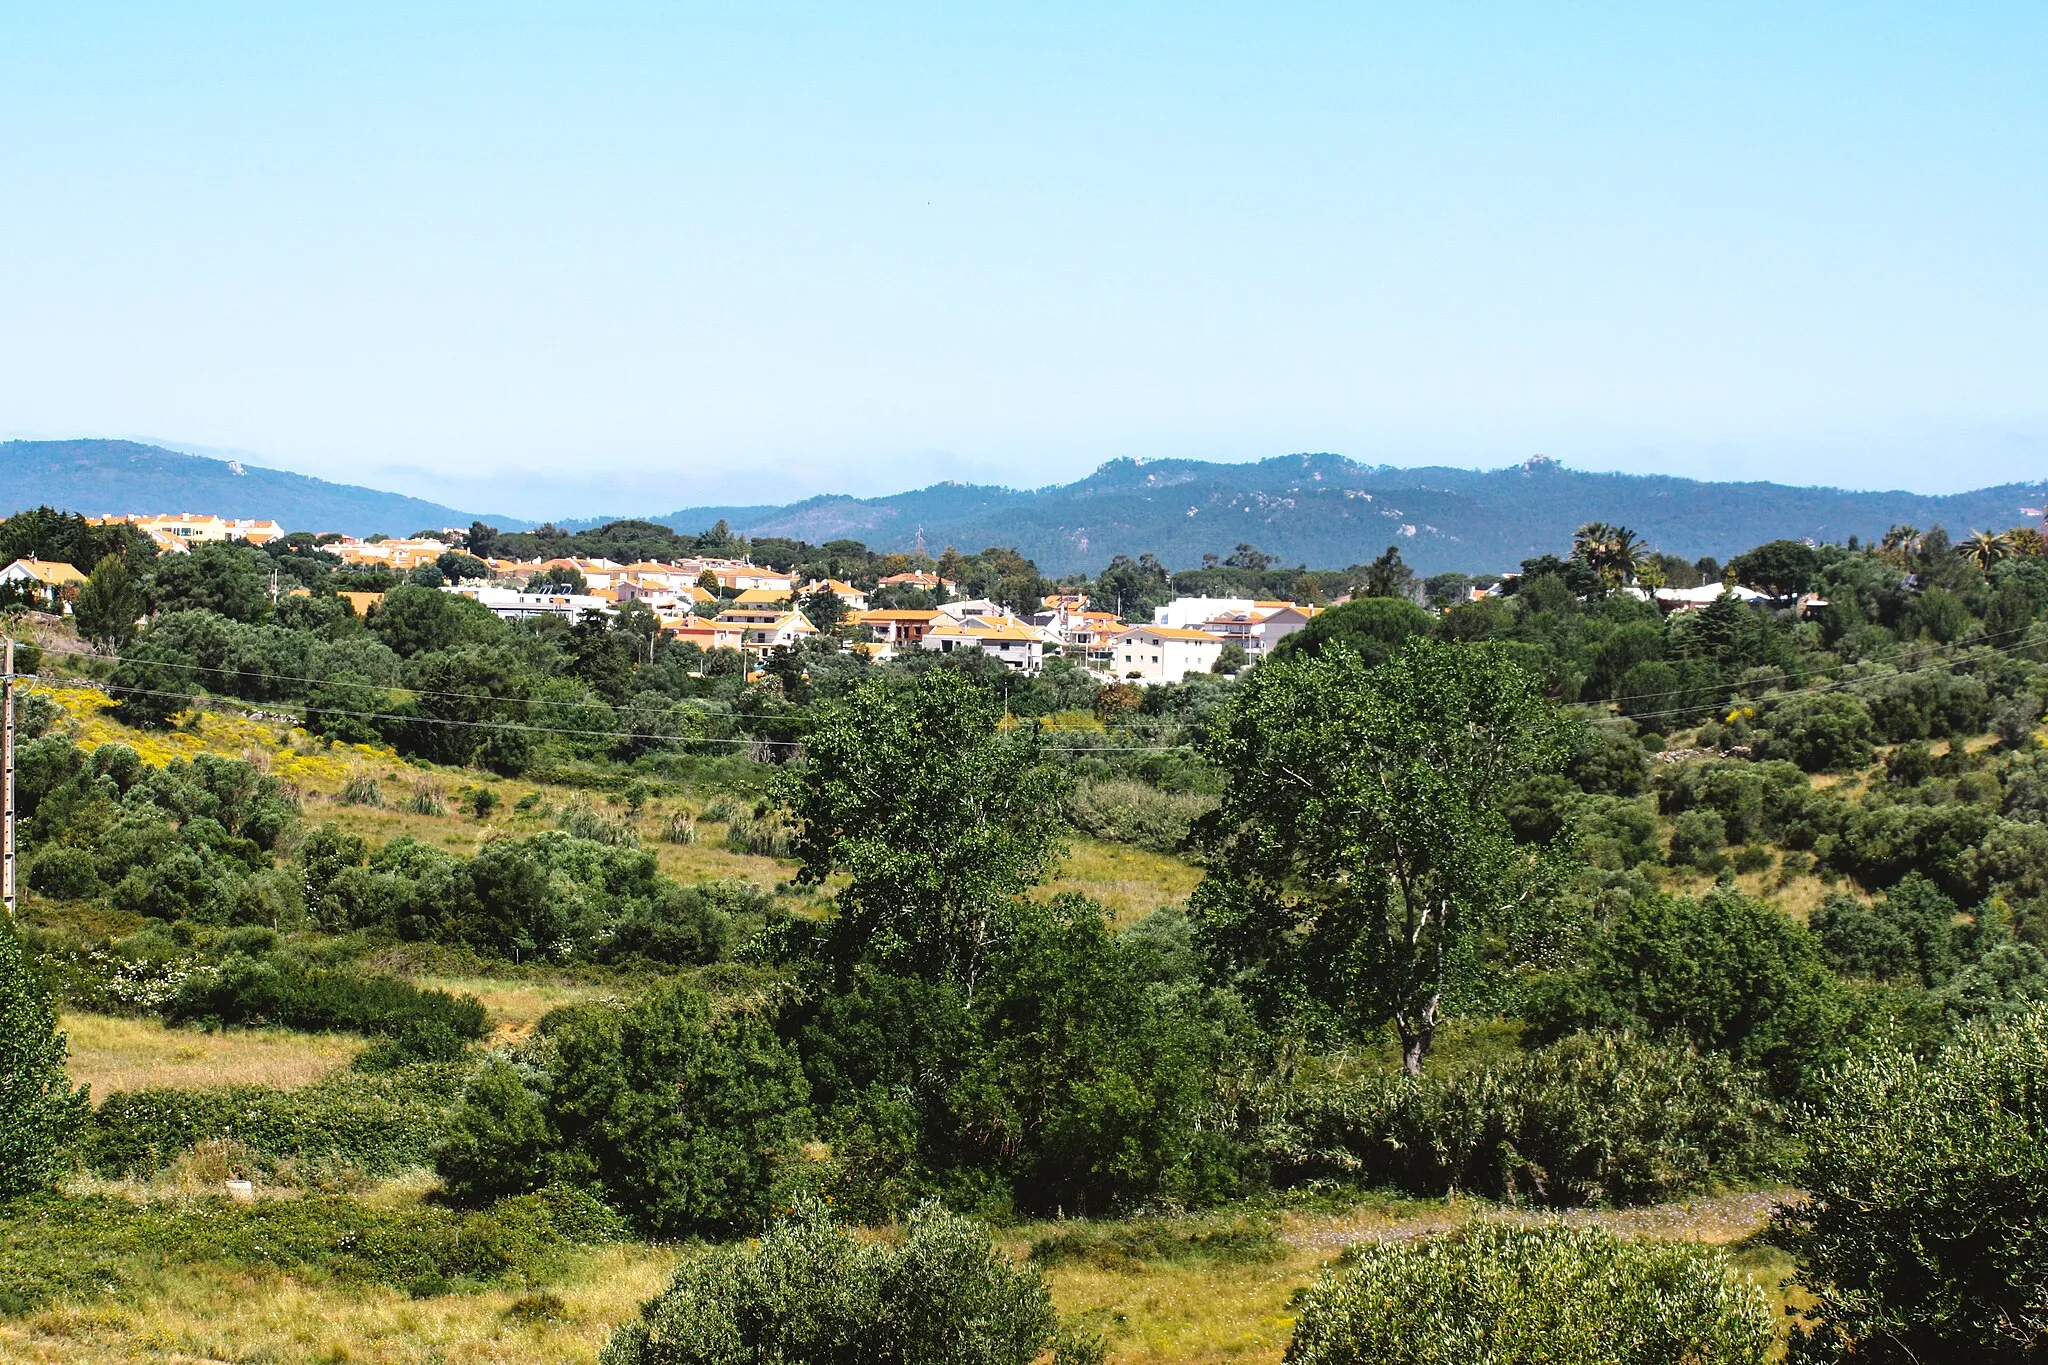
(2026,542)
(1626,552)
(1613,552)
(1899,545)
(1985,548)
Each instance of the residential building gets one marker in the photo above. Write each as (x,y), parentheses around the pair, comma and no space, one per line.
(1187,612)
(896,631)
(922,582)
(853,597)
(1017,643)
(1163,654)
(1257,630)
(1694,599)
(752,599)
(738,576)
(706,635)
(512,604)
(971,607)
(361,602)
(763,628)
(400,556)
(50,581)
(182,530)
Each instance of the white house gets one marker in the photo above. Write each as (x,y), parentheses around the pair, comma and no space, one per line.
(1187,612)
(509,604)
(50,580)
(1017,643)
(1258,630)
(763,628)
(971,607)
(1163,654)
(1693,599)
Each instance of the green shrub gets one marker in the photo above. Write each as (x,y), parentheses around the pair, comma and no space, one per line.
(360,790)
(424,800)
(683,1120)
(1592,1119)
(812,1293)
(1533,1296)
(39,1110)
(1127,1245)
(377,1125)
(53,1250)
(498,1139)
(1697,838)
(584,821)
(65,874)
(765,836)
(1728,972)
(1826,732)
(417,1040)
(682,925)
(1134,813)
(274,990)
(1924,1232)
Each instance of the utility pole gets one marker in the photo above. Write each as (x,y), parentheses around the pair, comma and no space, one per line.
(7,890)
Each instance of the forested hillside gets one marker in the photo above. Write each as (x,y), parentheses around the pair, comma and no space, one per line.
(1328,511)
(560,986)
(119,478)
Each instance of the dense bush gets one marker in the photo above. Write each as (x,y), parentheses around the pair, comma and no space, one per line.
(1520,1296)
(78,1249)
(1079,1075)
(377,1125)
(1135,813)
(1592,1119)
(276,990)
(1828,732)
(684,1121)
(39,1109)
(811,1292)
(1728,972)
(552,895)
(1924,1231)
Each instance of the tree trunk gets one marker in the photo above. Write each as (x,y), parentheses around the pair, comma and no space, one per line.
(1417,1032)
(1414,1046)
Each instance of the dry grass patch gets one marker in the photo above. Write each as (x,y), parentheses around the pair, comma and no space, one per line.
(204,1315)
(514,1007)
(1131,882)
(112,1054)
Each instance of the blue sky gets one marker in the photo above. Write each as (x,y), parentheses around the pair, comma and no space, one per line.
(579,259)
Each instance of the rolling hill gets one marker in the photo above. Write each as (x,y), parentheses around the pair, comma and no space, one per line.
(1328,511)
(1323,510)
(102,478)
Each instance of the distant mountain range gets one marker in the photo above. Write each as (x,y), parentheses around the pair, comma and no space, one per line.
(1330,512)
(108,478)
(1322,510)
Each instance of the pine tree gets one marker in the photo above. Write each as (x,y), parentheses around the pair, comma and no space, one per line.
(39,1110)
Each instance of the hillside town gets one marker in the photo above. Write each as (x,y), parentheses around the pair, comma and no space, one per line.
(732,603)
